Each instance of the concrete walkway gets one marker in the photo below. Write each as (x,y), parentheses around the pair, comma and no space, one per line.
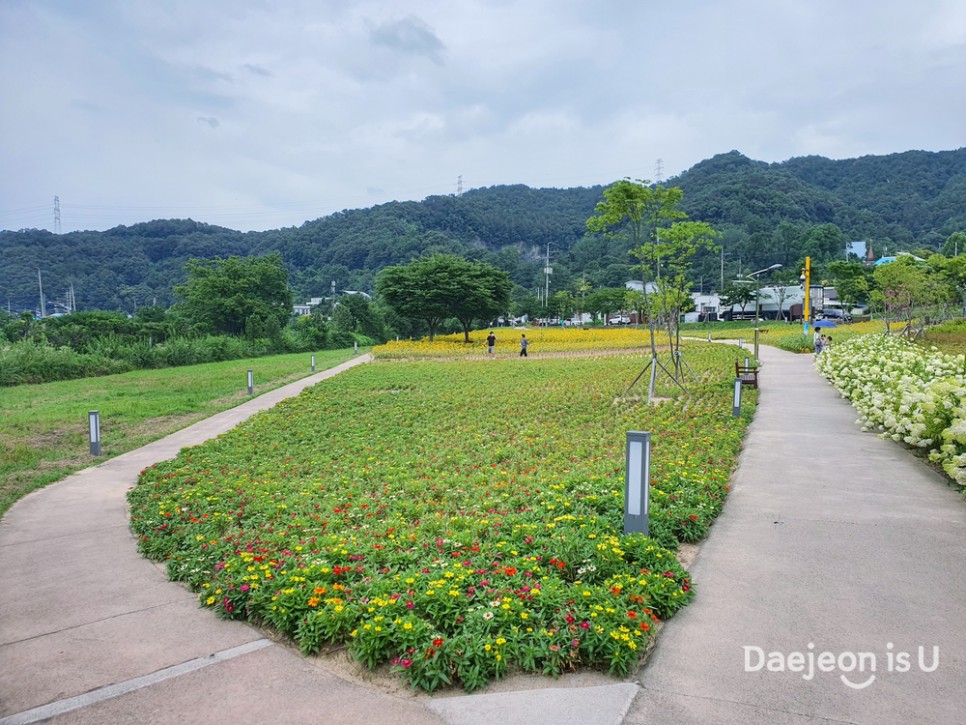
(832,541)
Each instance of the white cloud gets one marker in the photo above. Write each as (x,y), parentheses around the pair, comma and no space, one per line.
(264,114)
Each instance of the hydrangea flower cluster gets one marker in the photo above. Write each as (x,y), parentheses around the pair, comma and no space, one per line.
(909,393)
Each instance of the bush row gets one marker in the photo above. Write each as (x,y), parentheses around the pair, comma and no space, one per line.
(910,394)
(30,361)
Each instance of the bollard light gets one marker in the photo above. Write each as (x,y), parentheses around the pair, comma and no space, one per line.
(747,361)
(740,346)
(637,482)
(313,363)
(709,337)
(94,419)
(736,405)
(251,382)
(355,348)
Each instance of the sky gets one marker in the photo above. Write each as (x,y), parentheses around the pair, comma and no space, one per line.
(261,114)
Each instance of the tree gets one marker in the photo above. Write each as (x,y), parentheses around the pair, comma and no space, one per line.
(606,300)
(441,286)
(955,244)
(904,286)
(825,242)
(236,295)
(562,304)
(677,246)
(633,211)
(485,294)
(737,294)
(354,313)
(851,281)
(581,288)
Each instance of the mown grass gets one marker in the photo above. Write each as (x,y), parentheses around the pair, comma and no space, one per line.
(44,436)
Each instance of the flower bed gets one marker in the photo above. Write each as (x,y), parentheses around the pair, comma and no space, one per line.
(913,395)
(542,340)
(452,520)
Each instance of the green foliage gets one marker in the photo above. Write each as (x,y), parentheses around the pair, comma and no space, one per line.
(45,426)
(763,213)
(954,245)
(355,313)
(237,295)
(28,361)
(737,294)
(355,515)
(441,286)
(902,287)
(852,280)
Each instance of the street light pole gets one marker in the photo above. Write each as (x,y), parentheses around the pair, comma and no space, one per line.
(806,286)
(757,276)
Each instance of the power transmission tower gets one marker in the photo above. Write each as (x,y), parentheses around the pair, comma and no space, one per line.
(459,185)
(56,215)
(659,171)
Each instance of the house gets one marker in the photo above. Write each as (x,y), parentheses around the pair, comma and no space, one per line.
(306,308)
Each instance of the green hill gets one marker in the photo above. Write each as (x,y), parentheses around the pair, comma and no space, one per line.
(764,212)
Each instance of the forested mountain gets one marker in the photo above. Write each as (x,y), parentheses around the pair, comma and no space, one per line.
(765,213)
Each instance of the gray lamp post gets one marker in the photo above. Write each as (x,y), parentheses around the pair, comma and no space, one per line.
(637,482)
(757,278)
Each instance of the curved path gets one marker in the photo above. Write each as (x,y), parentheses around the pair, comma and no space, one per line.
(832,541)
(831,537)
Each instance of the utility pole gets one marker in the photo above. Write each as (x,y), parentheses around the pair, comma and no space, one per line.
(43,305)
(722,269)
(807,303)
(547,271)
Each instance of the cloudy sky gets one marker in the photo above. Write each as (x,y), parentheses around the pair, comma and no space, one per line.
(259,114)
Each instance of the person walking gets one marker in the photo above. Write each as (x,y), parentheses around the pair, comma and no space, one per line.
(490,342)
(524,344)
(817,341)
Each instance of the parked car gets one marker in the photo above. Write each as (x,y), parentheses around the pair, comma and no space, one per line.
(835,313)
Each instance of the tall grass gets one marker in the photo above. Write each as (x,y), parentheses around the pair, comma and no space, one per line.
(44,431)
(31,362)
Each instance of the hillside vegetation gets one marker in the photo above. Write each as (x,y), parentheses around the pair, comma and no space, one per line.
(765,213)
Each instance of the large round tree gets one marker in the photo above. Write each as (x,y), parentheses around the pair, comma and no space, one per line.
(236,295)
(442,286)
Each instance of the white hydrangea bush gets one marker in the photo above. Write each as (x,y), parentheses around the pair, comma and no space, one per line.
(910,394)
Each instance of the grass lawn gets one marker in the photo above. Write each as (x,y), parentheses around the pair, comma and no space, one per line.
(44,435)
